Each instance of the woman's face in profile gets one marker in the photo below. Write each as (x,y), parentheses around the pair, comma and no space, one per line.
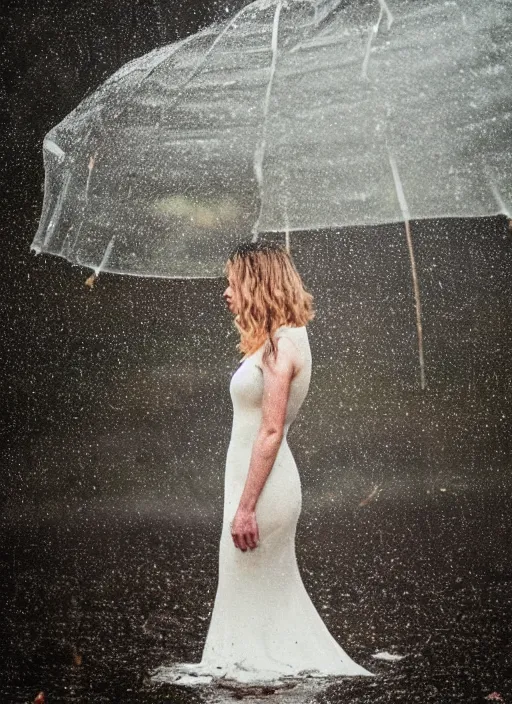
(230,295)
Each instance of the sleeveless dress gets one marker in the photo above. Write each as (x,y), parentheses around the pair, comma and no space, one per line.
(264,626)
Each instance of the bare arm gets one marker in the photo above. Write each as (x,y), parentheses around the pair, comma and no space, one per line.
(277,377)
(264,453)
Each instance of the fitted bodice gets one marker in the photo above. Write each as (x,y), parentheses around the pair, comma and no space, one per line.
(246,387)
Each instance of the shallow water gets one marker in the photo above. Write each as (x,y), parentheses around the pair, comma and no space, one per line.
(95,603)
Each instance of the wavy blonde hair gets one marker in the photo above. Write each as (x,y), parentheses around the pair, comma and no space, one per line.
(270,294)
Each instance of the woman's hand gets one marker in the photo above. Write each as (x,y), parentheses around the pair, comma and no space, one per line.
(244,530)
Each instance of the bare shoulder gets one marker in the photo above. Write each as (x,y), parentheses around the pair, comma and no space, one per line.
(288,357)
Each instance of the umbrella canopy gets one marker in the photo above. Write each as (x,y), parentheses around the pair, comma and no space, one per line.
(289,116)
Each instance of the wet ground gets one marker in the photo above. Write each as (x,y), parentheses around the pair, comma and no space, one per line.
(96,600)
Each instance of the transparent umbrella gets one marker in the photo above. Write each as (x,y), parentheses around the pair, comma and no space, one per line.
(292,115)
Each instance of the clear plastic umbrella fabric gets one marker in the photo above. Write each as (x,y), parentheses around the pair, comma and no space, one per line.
(289,116)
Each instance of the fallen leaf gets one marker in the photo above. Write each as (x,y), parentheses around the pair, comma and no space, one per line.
(77,657)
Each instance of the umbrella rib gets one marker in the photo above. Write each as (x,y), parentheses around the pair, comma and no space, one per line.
(202,61)
(286,224)
(406,215)
(106,256)
(50,229)
(259,152)
(330,7)
(373,33)
(389,15)
(498,197)
(417,303)
(66,249)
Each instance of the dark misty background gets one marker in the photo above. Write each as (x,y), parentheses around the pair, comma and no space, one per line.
(116,418)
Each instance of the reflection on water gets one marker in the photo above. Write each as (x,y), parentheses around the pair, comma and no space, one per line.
(293,692)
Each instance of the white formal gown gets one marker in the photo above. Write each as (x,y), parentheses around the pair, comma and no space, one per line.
(264,625)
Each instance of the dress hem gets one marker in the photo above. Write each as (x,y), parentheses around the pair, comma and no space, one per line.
(191,674)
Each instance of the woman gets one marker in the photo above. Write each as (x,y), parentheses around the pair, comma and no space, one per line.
(264,626)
